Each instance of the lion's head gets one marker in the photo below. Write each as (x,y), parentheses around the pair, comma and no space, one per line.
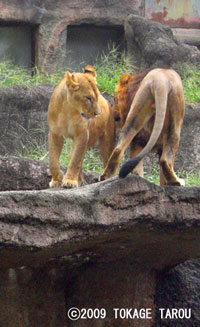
(83,91)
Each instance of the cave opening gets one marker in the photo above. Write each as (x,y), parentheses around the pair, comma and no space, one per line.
(17,44)
(86,43)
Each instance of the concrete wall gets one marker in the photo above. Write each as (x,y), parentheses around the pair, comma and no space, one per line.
(49,22)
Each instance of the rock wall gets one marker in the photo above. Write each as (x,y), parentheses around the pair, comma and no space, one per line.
(50,20)
(23,112)
(151,44)
(105,245)
(179,287)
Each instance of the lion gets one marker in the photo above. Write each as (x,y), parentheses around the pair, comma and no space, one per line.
(79,112)
(151,106)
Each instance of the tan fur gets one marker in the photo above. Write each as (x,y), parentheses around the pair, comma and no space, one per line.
(153,110)
(79,112)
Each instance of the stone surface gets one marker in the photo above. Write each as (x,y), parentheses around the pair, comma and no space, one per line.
(179,288)
(117,212)
(151,44)
(188,155)
(120,285)
(103,245)
(29,174)
(23,113)
(49,22)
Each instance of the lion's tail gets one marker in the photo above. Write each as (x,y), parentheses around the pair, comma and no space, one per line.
(161,96)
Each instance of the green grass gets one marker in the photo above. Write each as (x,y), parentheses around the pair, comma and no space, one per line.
(92,160)
(191,81)
(109,68)
(39,150)
(190,178)
(11,75)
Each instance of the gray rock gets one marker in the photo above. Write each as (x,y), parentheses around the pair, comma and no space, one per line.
(99,212)
(152,44)
(29,174)
(179,288)
(23,113)
(83,247)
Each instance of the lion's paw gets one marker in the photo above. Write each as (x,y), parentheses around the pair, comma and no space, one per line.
(56,182)
(105,175)
(70,183)
(181,181)
(101,178)
(178,182)
(53,184)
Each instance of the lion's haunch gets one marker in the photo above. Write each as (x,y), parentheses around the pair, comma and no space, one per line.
(151,107)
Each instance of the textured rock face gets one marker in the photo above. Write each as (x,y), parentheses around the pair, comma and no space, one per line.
(49,21)
(151,44)
(188,156)
(103,245)
(179,288)
(29,174)
(23,117)
(131,207)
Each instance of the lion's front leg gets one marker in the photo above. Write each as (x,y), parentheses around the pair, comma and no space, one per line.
(78,150)
(55,147)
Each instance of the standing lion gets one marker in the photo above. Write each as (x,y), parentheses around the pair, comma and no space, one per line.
(151,106)
(79,112)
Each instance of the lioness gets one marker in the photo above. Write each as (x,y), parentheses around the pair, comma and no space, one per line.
(78,111)
(151,106)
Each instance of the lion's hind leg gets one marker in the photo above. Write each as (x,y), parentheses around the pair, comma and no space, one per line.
(170,146)
(141,112)
(135,149)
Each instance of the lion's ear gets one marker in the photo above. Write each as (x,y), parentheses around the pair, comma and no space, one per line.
(90,70)
(71,83)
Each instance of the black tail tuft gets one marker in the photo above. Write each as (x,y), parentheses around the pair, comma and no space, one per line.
(128,167)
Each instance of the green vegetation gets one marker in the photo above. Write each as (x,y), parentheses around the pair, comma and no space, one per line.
(191,81)
(109,68)
(191,179)
(13,75)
